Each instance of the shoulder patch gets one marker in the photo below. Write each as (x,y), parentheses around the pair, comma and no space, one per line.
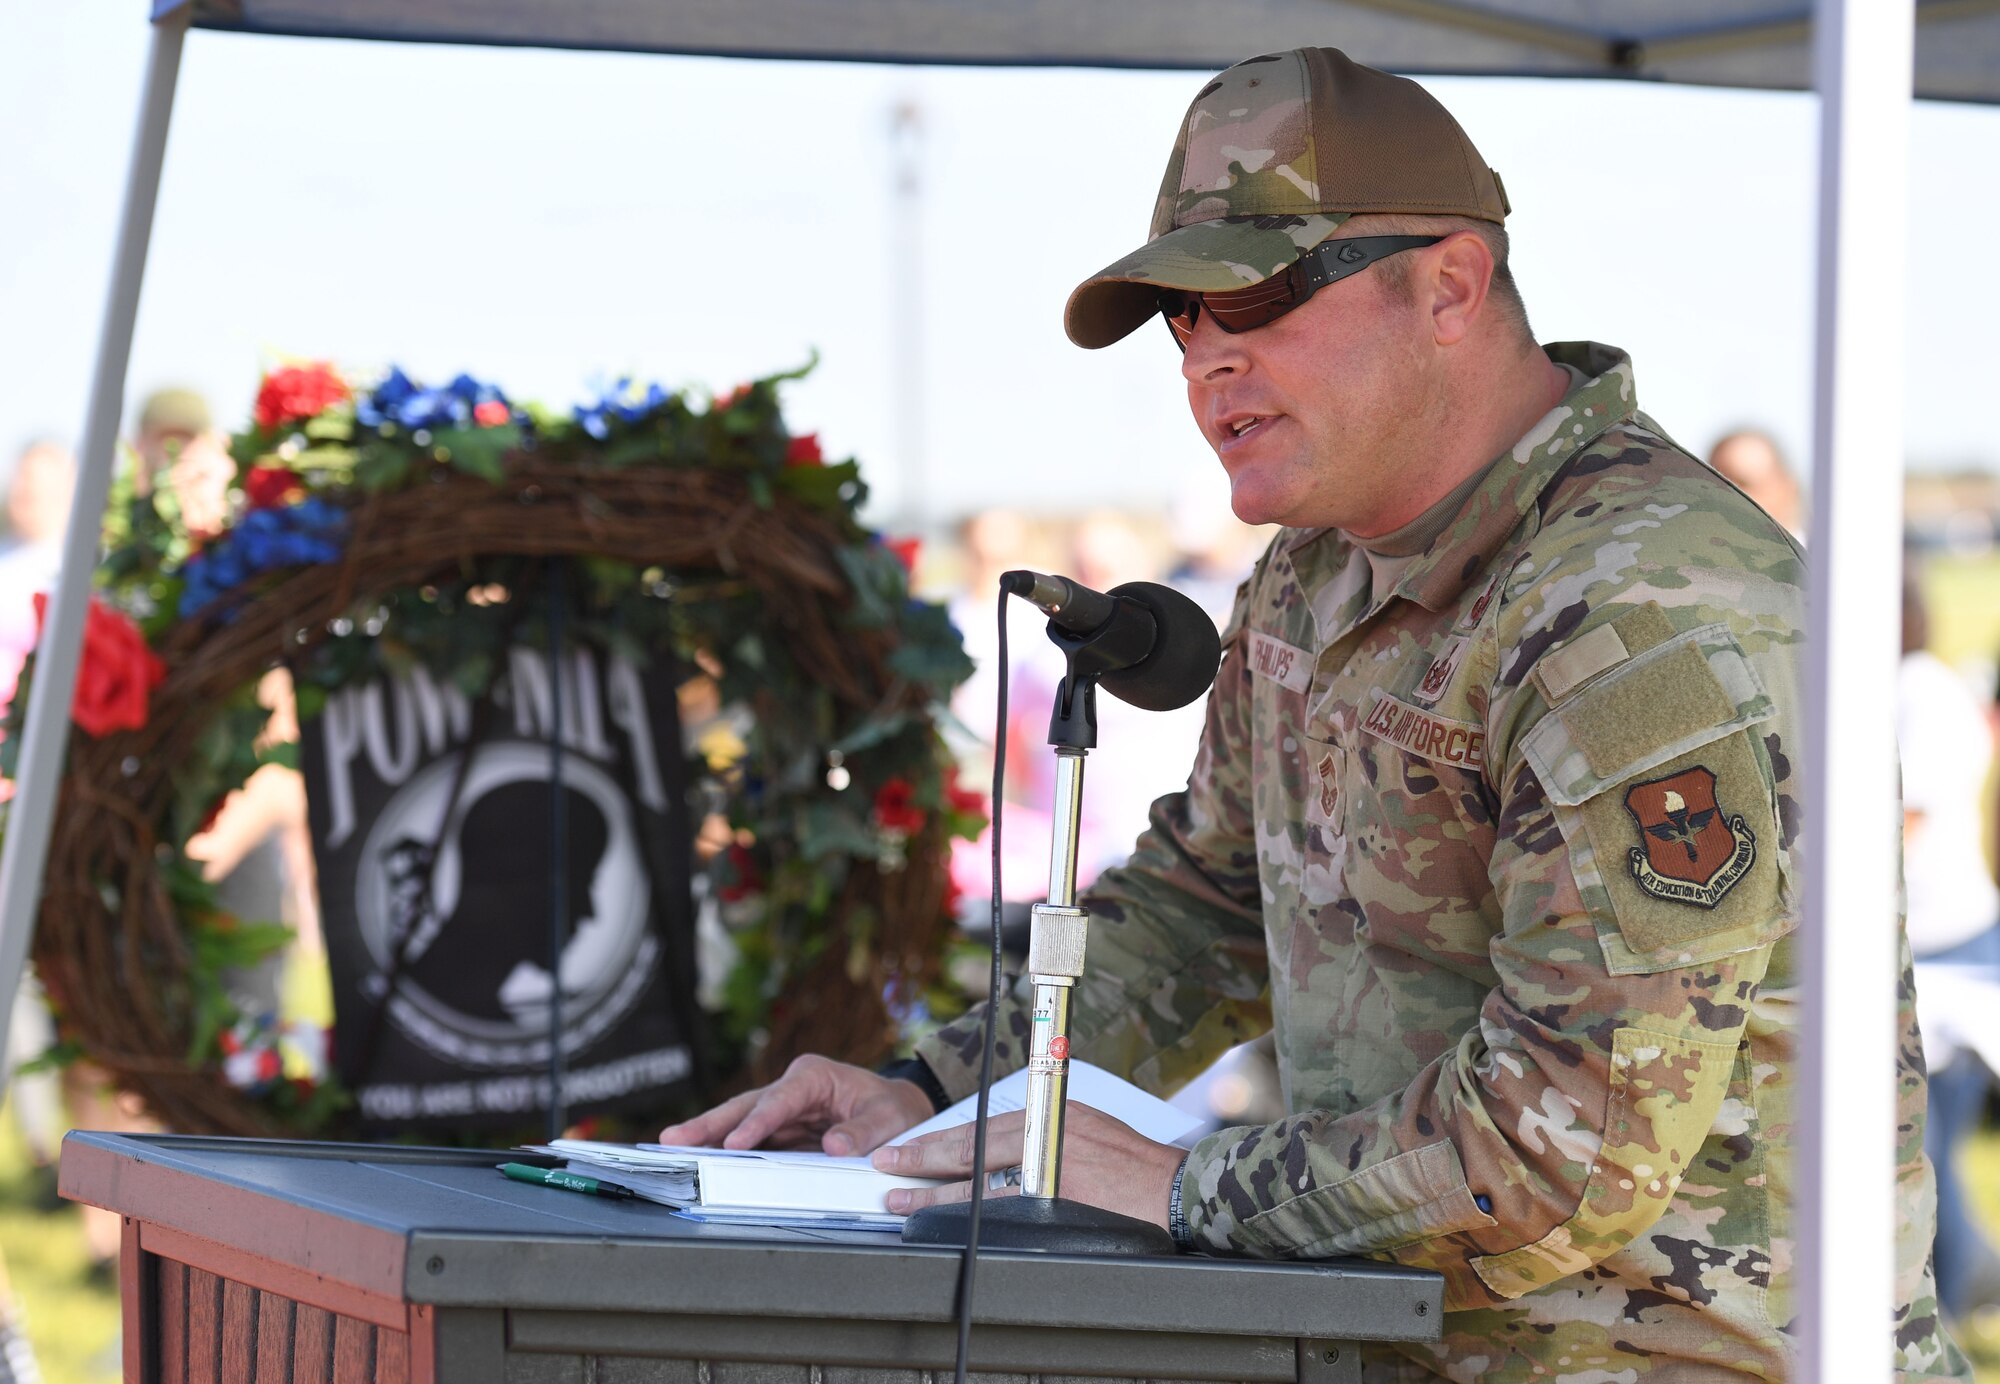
(1690,850)
(1286,664)
(1677,859)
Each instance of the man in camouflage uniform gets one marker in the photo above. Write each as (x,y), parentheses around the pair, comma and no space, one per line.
(1495,821)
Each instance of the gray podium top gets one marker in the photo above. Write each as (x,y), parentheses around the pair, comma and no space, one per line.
(442,1227)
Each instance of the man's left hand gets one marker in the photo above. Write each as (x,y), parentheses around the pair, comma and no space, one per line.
(1105,1163)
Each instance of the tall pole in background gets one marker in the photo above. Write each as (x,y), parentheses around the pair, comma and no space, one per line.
(906,299)
(1847,1111)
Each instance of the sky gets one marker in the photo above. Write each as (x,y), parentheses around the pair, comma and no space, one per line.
(548,219)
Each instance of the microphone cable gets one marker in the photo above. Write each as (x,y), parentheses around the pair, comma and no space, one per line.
(970,1258)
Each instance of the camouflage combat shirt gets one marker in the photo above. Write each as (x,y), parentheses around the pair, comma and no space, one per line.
(1508,858)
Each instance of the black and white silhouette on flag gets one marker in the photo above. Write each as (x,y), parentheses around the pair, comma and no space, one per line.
(436,875)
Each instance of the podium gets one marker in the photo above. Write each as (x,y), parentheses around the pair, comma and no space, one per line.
(249,1261)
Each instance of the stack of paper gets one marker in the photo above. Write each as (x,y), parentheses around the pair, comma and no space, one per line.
(750,1186)
(772,1187)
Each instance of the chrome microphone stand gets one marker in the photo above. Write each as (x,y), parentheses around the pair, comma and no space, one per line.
(1057,932)
(1039,1219)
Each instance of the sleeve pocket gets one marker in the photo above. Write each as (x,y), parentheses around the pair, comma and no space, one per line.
(1665,801)
(1665,1092)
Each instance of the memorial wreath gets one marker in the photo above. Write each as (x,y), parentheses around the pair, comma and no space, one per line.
(379,530)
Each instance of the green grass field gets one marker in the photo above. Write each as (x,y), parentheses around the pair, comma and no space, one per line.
(71,1315)
(1964,598)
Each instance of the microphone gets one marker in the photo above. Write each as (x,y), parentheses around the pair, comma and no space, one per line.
(1162,649)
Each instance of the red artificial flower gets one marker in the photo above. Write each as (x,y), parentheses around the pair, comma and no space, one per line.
(965,801)
(267,487)
(894,810)
(804,451)
(117,673)
(906,550)
(491,414)
(744,866)
(297,392)
(953,895)
(729,400)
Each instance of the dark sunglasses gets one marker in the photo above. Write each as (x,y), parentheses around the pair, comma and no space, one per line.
(1242,309)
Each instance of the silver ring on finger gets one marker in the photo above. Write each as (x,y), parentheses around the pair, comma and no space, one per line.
(1002,1180)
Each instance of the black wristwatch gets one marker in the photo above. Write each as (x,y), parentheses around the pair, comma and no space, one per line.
(918,1072)
(1177,1225)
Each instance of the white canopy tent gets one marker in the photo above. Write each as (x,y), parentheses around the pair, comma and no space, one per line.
(1865,57)
(1745,43)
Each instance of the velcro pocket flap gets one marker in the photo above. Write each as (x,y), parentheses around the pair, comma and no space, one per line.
(1675,697)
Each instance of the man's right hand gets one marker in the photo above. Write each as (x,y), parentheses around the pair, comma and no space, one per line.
(817,1103)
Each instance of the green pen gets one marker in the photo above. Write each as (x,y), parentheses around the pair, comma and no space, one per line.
(568,1181)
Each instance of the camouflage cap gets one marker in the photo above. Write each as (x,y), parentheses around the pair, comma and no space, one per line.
(1274,154)
(174,409)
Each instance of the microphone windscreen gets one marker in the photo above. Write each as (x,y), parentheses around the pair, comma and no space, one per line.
(1186,651)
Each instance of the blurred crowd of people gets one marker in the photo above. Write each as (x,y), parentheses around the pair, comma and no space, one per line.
(1201,550)
(1947,730)
(1946,736)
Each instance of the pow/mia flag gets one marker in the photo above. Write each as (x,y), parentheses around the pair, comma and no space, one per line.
(435,880)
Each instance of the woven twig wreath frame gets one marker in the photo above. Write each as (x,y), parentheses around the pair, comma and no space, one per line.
(121,978)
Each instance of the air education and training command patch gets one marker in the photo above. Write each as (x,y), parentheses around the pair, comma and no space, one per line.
(1689,852)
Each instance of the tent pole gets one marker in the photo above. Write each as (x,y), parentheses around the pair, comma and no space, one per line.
(1846,1149)
(45,734)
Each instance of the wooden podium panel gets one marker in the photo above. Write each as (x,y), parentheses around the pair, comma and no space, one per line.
(270,1262)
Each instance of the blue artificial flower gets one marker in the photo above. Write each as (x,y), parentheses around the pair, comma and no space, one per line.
(654,398)
(399,400)
(381,403)
(473,392)
(311,531)
(623,402)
